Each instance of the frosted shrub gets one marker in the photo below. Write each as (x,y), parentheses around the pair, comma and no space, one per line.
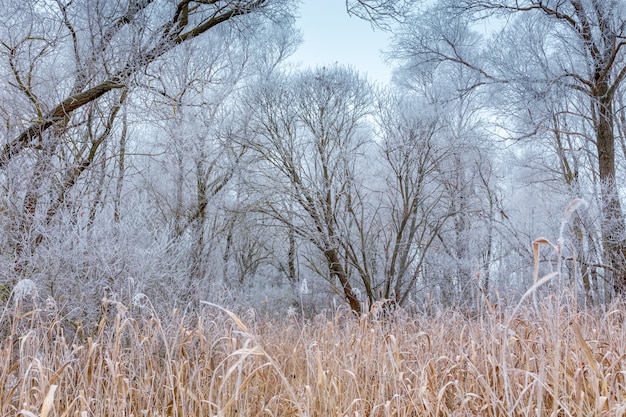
(25,288)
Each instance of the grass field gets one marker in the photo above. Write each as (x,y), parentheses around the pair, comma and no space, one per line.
(540,361)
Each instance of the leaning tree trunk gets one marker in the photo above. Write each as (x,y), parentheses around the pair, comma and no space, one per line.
(337,270)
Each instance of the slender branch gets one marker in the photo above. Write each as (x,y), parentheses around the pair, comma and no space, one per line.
(119,80)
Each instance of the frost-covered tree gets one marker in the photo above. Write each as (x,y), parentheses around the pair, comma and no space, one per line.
(83,84)
(309,139)
(198,150)
(390,216)
(71,66)
(439,200)
(554,70)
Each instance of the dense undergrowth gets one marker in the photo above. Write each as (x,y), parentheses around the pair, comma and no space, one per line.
(544,360)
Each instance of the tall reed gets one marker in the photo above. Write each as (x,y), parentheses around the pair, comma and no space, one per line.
(544,361)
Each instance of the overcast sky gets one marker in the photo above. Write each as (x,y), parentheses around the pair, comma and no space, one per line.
(331,35)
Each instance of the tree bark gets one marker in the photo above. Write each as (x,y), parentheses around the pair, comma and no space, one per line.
(337,270)
(613,226)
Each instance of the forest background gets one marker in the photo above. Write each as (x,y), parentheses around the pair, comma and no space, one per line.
(166,150)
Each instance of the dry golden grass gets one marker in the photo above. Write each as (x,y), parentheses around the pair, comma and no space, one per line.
(550,362)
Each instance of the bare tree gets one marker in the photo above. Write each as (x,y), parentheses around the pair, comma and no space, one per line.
(546,52)
(414,195)
(308,140)
(133,35)
(381,13)
(71,66)
(86,81)
(193,100)
(439,200)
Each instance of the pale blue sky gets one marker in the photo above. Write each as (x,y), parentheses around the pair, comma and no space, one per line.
(331,35)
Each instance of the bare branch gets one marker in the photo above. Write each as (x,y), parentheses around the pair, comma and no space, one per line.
(224,12)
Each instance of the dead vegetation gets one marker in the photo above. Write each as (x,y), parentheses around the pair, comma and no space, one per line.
(550,360)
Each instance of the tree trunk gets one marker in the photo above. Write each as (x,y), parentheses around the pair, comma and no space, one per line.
(117,199)
(338,271)
(613,226)
(292,256)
